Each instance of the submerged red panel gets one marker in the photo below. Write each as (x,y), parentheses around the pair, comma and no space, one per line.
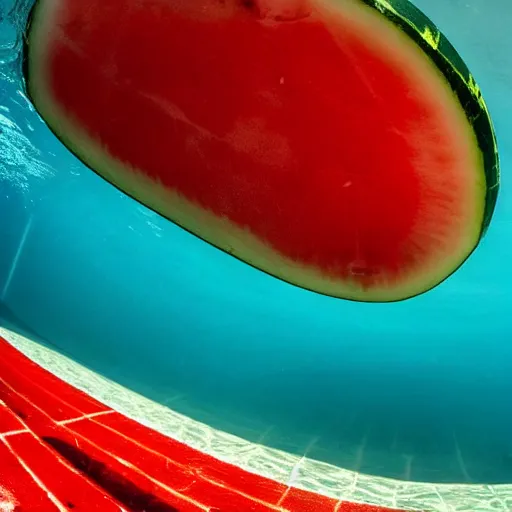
(112,458)
(304,132)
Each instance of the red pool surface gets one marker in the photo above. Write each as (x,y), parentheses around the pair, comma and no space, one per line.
(61,449)
(73,440)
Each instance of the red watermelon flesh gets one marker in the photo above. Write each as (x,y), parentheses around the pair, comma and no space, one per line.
(312,139)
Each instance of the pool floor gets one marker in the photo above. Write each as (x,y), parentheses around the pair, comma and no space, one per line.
(124,445)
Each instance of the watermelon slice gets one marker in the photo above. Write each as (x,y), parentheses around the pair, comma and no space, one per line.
(339,145)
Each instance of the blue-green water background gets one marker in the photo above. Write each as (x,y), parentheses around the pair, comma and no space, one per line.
(419,390)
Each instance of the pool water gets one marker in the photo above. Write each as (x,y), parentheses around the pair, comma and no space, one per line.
(417,390)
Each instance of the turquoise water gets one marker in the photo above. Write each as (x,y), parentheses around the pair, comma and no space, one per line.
(419,390)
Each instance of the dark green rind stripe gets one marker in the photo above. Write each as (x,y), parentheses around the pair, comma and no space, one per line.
(432,42)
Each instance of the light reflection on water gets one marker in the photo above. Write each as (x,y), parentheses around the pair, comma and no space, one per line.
(405,390)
